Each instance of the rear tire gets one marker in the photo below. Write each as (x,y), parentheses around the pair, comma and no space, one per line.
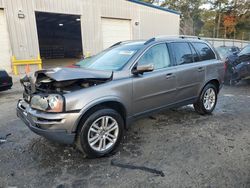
(207,100)
(100,134)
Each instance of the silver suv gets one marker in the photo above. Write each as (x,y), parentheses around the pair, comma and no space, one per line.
(91,105)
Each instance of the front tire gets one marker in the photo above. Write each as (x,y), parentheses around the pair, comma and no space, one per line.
(207,100)
(100,134)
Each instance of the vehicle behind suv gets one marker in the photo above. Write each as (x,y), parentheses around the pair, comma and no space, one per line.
(90,106)
(5,81)
(225,51)
(238,66)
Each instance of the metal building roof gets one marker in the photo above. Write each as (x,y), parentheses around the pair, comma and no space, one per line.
(154,6)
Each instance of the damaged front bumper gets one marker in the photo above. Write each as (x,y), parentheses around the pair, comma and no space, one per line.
(53,126)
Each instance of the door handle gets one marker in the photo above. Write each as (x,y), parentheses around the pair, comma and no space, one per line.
(201,69)
(169,75)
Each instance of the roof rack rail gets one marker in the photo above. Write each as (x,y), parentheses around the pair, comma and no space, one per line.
(171,36)
(149,40)
(178,36)
(118,43)
(121,42)
(189,36)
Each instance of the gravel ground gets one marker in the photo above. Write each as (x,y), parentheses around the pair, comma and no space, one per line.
(184,149)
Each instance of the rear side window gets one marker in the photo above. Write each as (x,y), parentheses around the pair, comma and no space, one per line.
(205,52)
(182,53)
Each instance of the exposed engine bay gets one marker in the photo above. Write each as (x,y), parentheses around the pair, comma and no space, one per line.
(48,85)
(63,80)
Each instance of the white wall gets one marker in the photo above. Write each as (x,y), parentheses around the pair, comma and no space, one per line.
(5,49)
(23,31)
(1,4)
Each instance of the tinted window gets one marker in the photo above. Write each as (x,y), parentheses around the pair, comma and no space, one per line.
(157,55)
(204,51)
(182,53)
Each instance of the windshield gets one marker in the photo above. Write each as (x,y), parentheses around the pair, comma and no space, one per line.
(245,50)
(111,59)
(223,51)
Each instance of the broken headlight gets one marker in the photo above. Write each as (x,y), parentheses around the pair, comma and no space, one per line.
(50,103)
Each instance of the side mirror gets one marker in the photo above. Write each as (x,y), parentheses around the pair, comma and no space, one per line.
(140,69)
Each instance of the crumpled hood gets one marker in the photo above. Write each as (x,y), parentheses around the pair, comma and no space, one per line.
(65,74)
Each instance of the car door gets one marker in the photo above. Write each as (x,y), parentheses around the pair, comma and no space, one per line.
(156,89)
(190,74)
(205,62)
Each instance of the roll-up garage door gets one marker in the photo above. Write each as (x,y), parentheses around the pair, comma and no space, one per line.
(5,55)
(115,30)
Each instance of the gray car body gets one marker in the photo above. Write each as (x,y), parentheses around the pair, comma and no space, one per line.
(133,95)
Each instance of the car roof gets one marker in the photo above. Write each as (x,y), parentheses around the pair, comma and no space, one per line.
(161,39)
(172,39)
(227,47)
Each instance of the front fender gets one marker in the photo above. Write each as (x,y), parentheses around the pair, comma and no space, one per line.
(95,103)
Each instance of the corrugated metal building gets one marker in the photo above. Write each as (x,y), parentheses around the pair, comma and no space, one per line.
(32,27)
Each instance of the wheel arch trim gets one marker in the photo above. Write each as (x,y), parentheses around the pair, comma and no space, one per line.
(213,80)
(100,102)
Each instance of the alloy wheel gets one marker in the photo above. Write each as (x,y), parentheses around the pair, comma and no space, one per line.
(209,99)
(103,133)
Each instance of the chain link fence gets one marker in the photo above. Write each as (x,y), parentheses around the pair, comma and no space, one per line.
(216,42)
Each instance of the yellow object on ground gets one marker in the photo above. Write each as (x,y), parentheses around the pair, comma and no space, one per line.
(87,54)
(26,63)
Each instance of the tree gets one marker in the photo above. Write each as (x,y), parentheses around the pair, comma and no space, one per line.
(209,27)
(229,22)
(190,14)
(219,6)
(241,10)
(224,18)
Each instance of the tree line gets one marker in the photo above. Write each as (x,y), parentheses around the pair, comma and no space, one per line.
(211,18)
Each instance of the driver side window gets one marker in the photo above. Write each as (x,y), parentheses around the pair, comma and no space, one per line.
(157,55)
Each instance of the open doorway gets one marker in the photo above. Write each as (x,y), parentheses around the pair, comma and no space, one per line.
(60,40)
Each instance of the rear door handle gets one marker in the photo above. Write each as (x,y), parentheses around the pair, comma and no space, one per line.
(169,75)
(201,69)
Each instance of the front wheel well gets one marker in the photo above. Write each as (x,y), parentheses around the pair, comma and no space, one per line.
(117,106)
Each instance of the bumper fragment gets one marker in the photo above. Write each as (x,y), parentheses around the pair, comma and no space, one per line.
(57,135)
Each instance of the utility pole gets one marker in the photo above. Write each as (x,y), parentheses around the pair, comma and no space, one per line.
(243,35)
(214,32)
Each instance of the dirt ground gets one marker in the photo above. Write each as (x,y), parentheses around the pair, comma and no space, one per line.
(176,148)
